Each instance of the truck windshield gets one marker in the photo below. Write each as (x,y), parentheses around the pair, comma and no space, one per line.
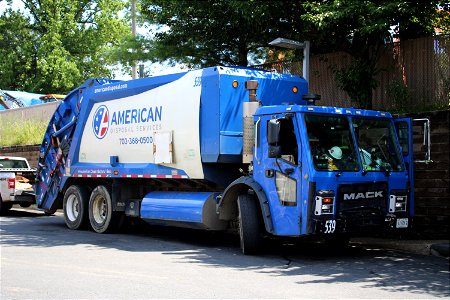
(13,164)
(377,144)
(331,143)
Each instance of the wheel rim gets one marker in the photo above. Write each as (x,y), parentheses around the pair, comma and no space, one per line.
(73,207)
(99,209)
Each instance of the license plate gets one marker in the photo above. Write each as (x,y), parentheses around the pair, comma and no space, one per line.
(402,223)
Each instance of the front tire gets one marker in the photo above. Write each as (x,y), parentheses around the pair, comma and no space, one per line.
(249,225)
(75,206)
(101,215)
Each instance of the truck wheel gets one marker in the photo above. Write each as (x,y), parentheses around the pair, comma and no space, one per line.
(4,207)
(75,203)
(249,225)
(101,215)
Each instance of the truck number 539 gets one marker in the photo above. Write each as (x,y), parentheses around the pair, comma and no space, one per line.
(330,226)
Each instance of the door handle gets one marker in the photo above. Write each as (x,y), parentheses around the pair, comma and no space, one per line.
(270,173)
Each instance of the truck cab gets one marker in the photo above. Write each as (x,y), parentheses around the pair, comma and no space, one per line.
(331,170)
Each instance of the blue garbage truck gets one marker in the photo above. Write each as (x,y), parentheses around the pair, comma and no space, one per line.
(225,148)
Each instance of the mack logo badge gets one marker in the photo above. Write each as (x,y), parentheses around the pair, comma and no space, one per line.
(100,123)
(366,195)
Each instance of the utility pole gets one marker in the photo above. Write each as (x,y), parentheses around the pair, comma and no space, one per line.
(133,31)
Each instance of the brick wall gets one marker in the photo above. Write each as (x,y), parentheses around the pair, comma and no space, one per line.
(432,180)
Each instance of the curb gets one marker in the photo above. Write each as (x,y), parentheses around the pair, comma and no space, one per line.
(441,249)
(423,247)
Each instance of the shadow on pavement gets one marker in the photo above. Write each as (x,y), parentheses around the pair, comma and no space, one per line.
(389,270)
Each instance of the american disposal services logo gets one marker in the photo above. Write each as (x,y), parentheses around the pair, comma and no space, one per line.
(100,123)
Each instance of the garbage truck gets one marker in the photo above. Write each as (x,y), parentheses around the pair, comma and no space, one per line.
(225,148)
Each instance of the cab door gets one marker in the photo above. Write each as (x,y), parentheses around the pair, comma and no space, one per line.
(282,173)
(404,129)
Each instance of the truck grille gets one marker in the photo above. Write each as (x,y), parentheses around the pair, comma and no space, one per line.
(362,200)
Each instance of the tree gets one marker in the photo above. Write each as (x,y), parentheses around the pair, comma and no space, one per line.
(211,32)
(17,51)
(55,45)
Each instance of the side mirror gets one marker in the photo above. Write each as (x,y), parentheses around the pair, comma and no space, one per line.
(273,132)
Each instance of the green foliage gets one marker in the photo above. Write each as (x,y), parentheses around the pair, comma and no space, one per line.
(17,51)
(358,81)
(211,32)
(53,46)
(398,95)
(27,132)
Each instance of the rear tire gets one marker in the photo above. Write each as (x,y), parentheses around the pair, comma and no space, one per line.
(249,225)
(75,206)
(101,215)
(4,207)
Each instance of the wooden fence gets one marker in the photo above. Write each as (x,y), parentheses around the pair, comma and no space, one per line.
(414,74)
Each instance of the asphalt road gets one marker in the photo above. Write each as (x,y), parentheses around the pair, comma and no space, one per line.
(41,258)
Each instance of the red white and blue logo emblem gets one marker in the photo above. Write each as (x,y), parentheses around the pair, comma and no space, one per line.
(100,124)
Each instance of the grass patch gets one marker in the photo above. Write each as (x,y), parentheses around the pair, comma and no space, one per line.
(26,132)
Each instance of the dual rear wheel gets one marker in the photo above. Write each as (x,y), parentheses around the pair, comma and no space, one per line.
(81,207)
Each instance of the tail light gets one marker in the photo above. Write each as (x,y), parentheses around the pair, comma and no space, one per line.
(11,183)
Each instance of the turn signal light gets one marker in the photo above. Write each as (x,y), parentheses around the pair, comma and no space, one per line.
(327,200)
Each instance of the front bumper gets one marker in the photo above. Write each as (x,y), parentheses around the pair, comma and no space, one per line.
(361,226)
(22,196)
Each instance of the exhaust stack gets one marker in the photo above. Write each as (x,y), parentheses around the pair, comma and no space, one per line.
(249,126)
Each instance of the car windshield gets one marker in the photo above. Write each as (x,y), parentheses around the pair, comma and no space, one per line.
(331,143)
(376,140)
(12,164)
